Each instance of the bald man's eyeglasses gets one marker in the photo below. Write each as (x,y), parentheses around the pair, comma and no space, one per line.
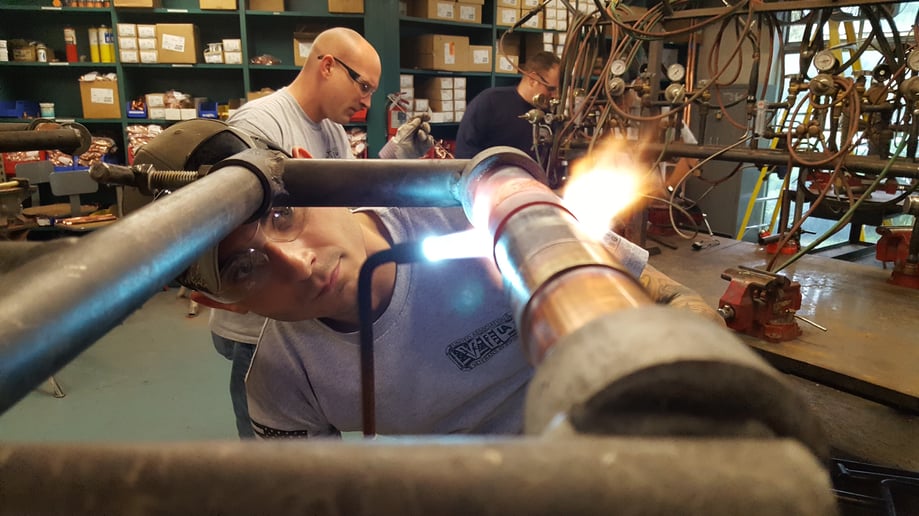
(366,88)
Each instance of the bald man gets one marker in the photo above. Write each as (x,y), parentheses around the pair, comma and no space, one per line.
(337,80)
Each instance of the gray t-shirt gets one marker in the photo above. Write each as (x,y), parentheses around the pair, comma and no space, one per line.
(447,353)
(279,119)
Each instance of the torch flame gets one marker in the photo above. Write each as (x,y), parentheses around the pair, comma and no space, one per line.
(602,184)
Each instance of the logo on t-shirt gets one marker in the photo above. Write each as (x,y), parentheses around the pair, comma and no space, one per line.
(477,348)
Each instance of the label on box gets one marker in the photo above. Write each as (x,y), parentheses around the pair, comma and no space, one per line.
(148,56)
(146,43)
(480,56)
(459,82)
(157,113)
(102,95)
(445,10)
(127,43)
(233,57)
(155,100)
(467,12)
(445,82)
(449,53)
(459,93)
(505,65)
(303,48)
(173,42)
(459,105)
(421,105)
(406,80)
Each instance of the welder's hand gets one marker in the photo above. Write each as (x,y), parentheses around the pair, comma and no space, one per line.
(412,140)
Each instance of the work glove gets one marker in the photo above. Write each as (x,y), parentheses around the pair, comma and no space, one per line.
(412,140)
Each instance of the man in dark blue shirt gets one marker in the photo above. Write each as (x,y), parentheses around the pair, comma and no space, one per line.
(492,117)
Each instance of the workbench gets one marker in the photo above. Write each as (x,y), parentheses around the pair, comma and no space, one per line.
(861,376)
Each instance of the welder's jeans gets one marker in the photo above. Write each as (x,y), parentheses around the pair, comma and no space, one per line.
(240,354)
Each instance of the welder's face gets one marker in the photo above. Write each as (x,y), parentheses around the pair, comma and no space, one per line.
(314,275)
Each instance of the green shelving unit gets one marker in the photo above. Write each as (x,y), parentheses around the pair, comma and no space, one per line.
(261,32)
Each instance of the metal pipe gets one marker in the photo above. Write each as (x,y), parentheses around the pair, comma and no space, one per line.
(866,164)
(374,182)
(548,265)
(58,304)
(70,138)
(447,476)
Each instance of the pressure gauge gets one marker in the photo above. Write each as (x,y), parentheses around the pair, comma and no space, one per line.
(912,60)
(617,67)
(881,72)
(825,61)
(676,72)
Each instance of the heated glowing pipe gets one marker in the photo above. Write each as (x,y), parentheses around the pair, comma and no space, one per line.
(548,264)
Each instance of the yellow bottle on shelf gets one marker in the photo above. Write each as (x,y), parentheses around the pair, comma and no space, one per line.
(94,55)
(106,44)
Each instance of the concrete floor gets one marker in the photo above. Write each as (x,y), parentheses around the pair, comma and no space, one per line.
(156,377)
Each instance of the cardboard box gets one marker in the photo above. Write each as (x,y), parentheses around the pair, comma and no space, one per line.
(479,59)
(128,56)
(433,9)
(127,43)
(536,22)
(146,43)
(155,100)
(437,52)
(506,16)
(303,43)
(233,58)
(266,5)
(226,5)
(213,56)
(146,31)
(100,99)
(137,3)
(126,29)
(436,88)
(468,13)
(177,42)
(507,64)
(346,6)
(148,56)
(509,3)
(406,80)
(252,95)
(232,45)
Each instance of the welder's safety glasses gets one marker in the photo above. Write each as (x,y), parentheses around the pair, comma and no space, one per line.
(244,273)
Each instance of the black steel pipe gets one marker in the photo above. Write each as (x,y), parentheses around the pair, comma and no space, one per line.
(14,126)
(374,182)
(447,476)
(70,140)
(60,303)
(900,167)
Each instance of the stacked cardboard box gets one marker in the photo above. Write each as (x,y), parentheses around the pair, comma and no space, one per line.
(436,52)
(177,43)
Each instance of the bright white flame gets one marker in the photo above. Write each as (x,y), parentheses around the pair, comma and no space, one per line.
(471,243)
(601,186)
